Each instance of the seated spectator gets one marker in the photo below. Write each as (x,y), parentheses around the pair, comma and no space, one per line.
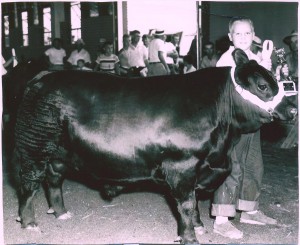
(210,57)
(80,53)
(81,65)
(124,55)
(188,64)
(107,62)
(56,55)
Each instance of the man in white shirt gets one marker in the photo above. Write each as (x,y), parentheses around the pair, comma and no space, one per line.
(56,55)
(138,58)
(80,54)
(157,62)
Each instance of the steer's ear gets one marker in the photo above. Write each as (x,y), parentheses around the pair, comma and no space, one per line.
(240,57)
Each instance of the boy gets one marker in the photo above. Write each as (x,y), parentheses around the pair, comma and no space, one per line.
(107,62)
(242,187)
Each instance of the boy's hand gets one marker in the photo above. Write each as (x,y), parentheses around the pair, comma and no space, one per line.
(285,70)
(266,63)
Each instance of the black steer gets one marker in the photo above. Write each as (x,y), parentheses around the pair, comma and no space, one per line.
(176,131)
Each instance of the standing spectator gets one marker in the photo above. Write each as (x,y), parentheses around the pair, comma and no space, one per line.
(292,56)
(146,40)
(210,57)
(80,53)
(171,57)
(124,55)
(107,62)
(157,62)
(175,38)
(188,64)
(56,55)
(241,189)
(138,60)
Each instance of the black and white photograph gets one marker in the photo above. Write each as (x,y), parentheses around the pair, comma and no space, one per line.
(149,122)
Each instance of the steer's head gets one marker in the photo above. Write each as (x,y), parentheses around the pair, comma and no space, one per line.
(253,77)
(263,88)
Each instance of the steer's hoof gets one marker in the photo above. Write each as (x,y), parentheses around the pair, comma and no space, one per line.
(67,215)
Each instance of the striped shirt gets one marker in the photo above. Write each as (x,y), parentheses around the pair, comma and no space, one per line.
(107,63)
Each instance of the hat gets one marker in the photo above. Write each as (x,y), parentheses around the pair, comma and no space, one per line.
(80,41)
(287,39)
(257,42)
(159,32)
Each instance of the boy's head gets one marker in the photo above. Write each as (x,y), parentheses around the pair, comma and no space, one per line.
(126,40)
(108,48)
(80,63)
(241,32)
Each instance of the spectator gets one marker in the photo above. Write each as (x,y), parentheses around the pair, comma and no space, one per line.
(292,56)
(241,189)
(188,64)
(157,62)
(79,53)
(107,62)
(56,55)
(124,55)
(210,57)
(175,38)
(81,65)
(138,60)
(193,51)
(146,40)
(171,57)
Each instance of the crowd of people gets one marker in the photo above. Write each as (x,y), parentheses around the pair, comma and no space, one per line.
(155,56)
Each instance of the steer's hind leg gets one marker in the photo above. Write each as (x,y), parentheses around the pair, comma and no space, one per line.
(55,172)
(26,207)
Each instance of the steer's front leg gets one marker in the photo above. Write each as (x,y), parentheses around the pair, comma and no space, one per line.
(181,177)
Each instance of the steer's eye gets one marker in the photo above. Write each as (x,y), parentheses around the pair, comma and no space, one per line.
(262,87)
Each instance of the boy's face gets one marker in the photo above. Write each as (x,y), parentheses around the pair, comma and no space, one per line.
(241,35)
(108,49)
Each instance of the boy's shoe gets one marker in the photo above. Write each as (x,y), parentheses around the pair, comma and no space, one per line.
(227,229)
(259,218)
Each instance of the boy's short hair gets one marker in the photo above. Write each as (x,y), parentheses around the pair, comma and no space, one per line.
(107,43)
(240,19)
(80,60)
(126,36)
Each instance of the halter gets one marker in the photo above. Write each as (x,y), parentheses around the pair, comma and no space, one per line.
(267,106)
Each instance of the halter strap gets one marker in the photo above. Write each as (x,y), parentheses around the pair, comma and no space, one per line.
(267,106)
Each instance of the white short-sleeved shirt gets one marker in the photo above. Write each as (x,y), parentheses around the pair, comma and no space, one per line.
(169,47)
(82,54)
(185,70)
(137,56)
(4,71)
(227,60)
(56,56)
(156,45)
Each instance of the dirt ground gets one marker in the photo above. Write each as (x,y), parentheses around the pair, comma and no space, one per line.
(145,217)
